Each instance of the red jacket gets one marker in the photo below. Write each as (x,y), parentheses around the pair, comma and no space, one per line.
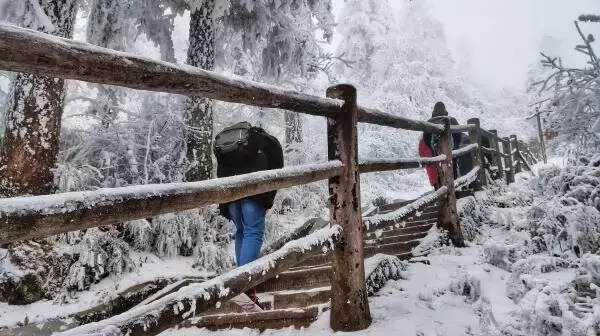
(425,151)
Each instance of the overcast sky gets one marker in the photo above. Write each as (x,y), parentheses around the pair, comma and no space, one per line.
(500,38)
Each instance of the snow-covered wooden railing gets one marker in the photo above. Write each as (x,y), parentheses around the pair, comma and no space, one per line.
(396,217)
(30,217)
(170,310)
(467,179)
(41,216)
(52,56)
(377,165)
(467,149)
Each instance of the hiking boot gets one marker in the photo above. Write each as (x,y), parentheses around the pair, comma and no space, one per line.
(252,295)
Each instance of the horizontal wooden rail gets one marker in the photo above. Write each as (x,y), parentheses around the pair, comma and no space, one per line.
(489,151)
(373,116)
(466,179)
(52,56)
(461,128)
(376,165)
(464,150)
(34,217)
(382,221)
(191,300)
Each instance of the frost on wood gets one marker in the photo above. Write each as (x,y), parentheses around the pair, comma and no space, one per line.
(380,221)
(194,298)
(137,198)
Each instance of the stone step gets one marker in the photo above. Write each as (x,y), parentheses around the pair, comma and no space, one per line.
(395,239)
(391,249)
(297,299)
(272,319)
(305,278)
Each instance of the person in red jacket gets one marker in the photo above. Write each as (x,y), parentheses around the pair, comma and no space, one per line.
(425,151)
(428,142)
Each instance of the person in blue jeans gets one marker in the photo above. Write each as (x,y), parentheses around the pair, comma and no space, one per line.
(248,215)
(242,149)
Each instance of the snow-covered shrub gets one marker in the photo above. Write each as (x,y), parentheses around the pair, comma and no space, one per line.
(591,263)
(521,280)
(470,217)
(200,233)
(499,255)
(97,255)
(468,286)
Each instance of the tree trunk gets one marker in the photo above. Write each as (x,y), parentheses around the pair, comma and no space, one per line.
(33,118)
(293,128)
(199,111)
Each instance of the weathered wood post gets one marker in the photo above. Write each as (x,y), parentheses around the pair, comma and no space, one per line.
(448,218)
(497,156)
(510,173)
(349,302)
(514,147)
(477,154)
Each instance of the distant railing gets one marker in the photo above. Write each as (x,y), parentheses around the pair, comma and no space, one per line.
(42,216)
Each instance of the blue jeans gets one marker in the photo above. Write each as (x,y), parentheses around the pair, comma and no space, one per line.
(249,218)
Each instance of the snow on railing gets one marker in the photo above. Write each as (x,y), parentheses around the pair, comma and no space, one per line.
(466,179)
(464,150)
(30,217)
(46,55)
(171,309)
(375,165)
(378,222)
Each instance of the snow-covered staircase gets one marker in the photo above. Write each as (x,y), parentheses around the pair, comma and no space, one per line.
(297,297)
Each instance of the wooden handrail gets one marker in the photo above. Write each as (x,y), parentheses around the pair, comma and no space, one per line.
(465,150)
(382,221)
(373,116)
(193,299)
(34,217)
(52,56)
(379,165)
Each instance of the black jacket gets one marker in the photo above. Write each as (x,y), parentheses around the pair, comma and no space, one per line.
(270,156)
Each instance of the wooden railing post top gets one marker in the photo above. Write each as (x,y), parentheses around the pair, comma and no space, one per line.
(345,92)
(513,137)
(474,121)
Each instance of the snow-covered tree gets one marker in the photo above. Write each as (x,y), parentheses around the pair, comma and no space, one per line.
(34,105)
(279,42)
(574,94)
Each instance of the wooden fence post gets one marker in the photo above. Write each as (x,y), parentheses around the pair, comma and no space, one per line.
(349,302)
(448,218)
(497,156)
(510,174)
(514,146)
(477,154)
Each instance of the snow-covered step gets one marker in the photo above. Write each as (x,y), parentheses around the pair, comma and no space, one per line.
(401,231)
(297,279)
(396,239)
(391,249)
(302,298)
(271,319)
